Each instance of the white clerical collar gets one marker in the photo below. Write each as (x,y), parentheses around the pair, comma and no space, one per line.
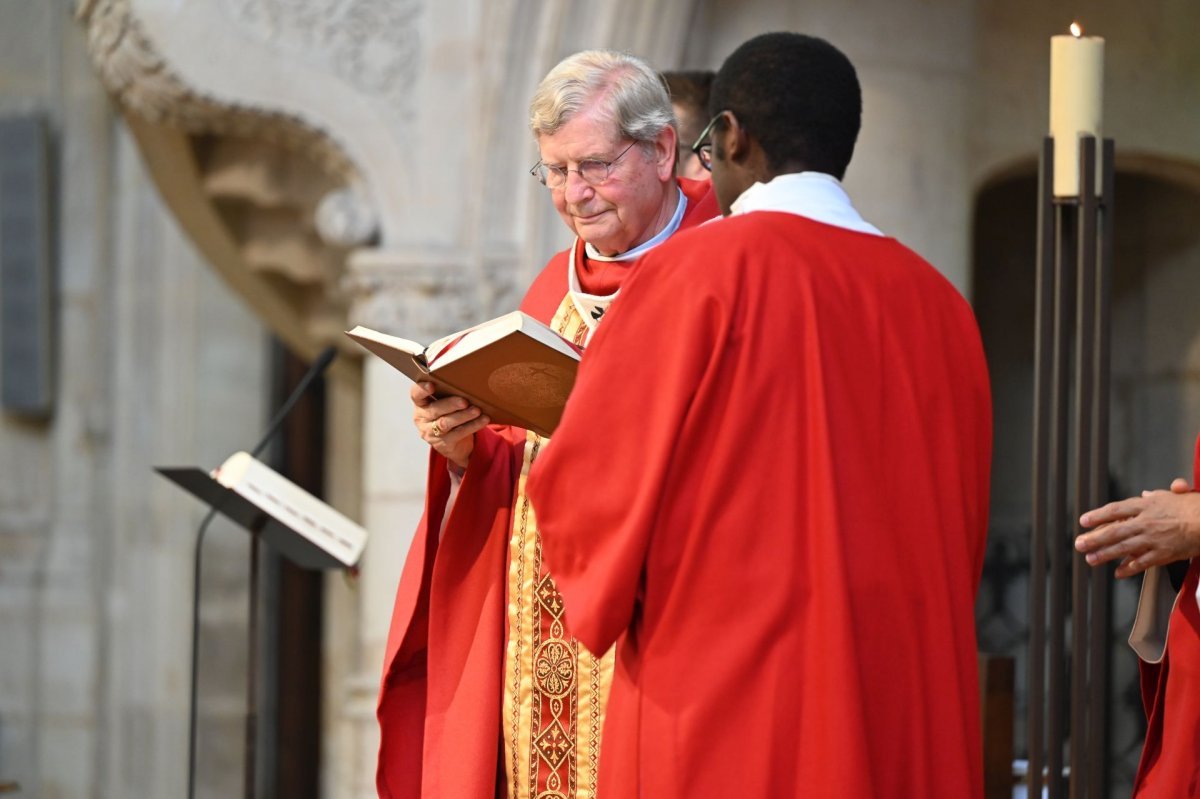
(646,246)
(815,195)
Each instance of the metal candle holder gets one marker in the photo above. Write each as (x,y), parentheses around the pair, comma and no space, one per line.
(1070,476)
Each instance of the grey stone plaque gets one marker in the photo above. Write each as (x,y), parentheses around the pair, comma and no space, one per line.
(26,288)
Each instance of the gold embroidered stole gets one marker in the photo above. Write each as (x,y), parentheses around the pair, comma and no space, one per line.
(555,691)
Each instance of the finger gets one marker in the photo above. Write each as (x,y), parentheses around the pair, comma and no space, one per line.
(1139,562)
(1113,511)
(431,430)
(464,430)
(1180,486)
(1129,567)
(421,394)
(431,433)
(438,409)
(1109,534)
(451,421)
(1135,547)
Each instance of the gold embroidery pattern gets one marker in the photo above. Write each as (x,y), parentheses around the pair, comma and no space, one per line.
(597,706)
(566,315)
(555,701)
(516,615)
(555,658)
(555,689)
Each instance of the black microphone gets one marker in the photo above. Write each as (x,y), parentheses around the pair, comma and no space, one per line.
(316,370)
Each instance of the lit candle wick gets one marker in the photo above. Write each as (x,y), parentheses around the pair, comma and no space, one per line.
(1076,31)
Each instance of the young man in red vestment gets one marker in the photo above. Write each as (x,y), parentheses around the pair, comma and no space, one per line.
(485,691)
(1160,531)
(776,503)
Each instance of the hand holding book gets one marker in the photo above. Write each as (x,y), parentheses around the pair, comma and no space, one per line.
(514,369)
(448,425)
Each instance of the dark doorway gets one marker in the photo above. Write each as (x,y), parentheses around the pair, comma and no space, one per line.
(291,677)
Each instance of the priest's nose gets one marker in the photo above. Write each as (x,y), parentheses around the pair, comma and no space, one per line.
(577,190)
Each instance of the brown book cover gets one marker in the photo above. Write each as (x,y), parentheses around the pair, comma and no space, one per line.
(514,368)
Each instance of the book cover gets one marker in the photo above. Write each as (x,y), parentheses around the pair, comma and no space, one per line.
(515,369)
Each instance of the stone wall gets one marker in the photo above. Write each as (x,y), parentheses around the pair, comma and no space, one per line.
(915,61)
(95,550)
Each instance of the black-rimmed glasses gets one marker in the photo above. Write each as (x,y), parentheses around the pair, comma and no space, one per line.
(593,171)
(703,148)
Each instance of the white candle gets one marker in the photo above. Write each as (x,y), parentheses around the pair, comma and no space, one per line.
(1076,102)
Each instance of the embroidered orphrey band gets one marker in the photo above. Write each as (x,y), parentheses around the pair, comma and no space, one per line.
(554,689)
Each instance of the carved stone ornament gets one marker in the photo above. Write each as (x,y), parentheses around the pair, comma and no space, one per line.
(345,219)
(419,298)
(143,82)
(372,44)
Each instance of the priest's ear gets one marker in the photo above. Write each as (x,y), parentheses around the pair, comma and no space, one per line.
(731,142)
(664,153)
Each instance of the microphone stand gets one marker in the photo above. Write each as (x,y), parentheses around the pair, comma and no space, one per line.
(318,367)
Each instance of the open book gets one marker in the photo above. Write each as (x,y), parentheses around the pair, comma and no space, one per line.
(293,521)
(514,368)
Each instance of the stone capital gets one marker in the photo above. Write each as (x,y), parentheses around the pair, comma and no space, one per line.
(420,296)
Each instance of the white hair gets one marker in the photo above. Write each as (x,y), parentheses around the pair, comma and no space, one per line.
(624,87)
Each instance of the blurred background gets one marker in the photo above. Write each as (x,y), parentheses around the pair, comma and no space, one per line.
(197,197)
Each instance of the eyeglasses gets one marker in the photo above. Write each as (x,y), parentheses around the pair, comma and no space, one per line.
(703,148)
(593,171)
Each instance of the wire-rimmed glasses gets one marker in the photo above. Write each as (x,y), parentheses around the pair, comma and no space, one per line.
(593,171)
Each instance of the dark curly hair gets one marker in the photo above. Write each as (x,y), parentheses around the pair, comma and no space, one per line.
(797,95)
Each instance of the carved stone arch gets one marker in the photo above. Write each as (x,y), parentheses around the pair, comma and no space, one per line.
(357,160)
(267,127)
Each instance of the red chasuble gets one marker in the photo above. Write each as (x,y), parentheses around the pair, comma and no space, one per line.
(771,485)
(1170,765)
(444,689)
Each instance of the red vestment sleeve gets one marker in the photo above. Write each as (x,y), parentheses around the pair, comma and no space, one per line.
(439,705)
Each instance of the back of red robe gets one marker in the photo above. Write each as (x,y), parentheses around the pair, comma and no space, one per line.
(772,480)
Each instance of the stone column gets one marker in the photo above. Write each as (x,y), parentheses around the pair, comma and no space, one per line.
(420,297)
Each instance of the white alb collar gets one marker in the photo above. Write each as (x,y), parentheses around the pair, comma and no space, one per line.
(815,195)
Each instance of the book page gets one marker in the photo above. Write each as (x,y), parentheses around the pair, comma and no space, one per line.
(477,338)
(456,345)
(404,355)
(361,333)
(294,507)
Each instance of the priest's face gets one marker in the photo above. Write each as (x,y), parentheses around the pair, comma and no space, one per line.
(633,203)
